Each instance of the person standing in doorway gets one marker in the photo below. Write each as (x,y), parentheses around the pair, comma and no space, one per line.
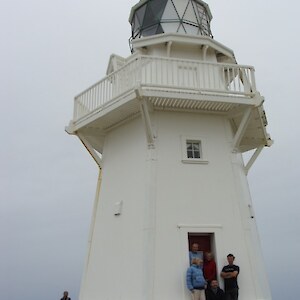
(195,253)
(195,280)
(229,274)
(65,296)
(209,267)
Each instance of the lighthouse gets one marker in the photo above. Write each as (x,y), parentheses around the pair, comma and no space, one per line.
(167,127)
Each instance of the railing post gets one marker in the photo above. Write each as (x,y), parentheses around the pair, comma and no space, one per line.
(253,80)
(75,110)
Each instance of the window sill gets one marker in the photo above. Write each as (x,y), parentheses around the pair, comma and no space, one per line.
(194,161)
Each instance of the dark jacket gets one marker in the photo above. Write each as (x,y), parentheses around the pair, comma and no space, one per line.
(210,295)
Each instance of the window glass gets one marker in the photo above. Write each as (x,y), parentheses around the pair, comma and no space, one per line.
(149,18)
(140,13)
(181,16)
(190,14)
(181,29)
(136,24)
(158,7)
(193,149)
(170,27)
(150,31)
(191,29)
(170,12)
(159,29)
(180,6)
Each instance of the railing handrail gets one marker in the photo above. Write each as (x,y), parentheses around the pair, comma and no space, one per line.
(167,73)
(140,57)
(107,76)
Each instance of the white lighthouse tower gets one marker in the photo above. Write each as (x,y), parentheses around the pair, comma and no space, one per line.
(167,127)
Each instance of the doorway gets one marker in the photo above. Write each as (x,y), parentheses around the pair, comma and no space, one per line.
(205,241)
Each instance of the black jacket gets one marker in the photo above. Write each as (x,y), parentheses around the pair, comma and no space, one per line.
(210,295)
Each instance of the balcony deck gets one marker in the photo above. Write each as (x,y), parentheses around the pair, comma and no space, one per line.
(173,84)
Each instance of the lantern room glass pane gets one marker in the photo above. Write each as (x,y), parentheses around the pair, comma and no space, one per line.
(140,13)
(159,29)
(180,6)
(158,7)
(166,16)
(190,14)
(149,18)
(191,29)
(136,24)
(170,27)
(150,31)
(170,12)
(181,29)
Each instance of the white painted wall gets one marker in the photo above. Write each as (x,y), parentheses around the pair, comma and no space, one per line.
(143,253)
(181,50)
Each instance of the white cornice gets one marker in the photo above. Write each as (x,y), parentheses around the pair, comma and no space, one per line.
(183,39)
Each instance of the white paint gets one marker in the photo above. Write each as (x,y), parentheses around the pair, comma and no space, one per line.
(152,196)
(144,250)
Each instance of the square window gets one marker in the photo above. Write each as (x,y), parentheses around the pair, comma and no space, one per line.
(192,150)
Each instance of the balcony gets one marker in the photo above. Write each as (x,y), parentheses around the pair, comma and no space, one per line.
(168,76)
(174,84)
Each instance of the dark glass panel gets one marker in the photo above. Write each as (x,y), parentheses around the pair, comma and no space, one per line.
(150,31)
(196,146)
(136,25)
(159,29)
(136,21)
(158,7)
(190,154)
(140,13)
(149,18)
(196,154)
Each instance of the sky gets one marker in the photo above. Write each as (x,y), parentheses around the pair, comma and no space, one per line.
(52,50)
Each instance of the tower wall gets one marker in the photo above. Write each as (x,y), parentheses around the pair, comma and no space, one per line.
(115,256)
(182,51)
(143,252)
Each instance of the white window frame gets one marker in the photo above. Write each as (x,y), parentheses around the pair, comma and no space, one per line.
(203,152)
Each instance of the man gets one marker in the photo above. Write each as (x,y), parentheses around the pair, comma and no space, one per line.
(209,267)
(195,253)
(195,280)
(229,274)
(65,296)
(214,292)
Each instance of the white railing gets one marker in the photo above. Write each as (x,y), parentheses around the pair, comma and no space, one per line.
(167,74)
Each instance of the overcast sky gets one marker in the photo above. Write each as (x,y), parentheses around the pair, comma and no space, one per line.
(52,50)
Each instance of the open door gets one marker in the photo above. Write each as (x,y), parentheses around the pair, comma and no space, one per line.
(204,240)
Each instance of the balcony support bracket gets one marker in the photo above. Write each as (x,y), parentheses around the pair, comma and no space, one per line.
(242,128)
(144,108)
(90,149)
(253,158)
